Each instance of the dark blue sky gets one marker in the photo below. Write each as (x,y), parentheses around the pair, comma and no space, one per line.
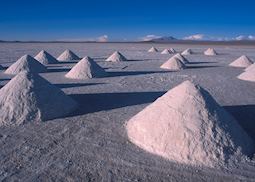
(124,19)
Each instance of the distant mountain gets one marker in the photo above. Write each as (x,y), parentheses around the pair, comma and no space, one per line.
(163,39)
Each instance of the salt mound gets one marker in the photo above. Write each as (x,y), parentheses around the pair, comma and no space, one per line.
(181,58)
(172,50)
(26,63)
(187,125)
(187,52)
(1,67)
(173,64)
(30,98)
(45,58)
(166,51)
(85,69)
(68,55)
(116,57)
(242,62)
(251,67)
(153,49)
(247,76)
(210,52)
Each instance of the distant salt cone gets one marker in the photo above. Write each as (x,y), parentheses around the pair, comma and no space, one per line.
(116,57)
(181,58)
(242,62)
(30,98)
(210,52)
(251,67)
(26,63)
(187,52)
(68,55)
(1,67)
(248,75)
(153,49)
(45,58)
(85,69)
(166,51)
(172,50)
(173,64)
(187,125)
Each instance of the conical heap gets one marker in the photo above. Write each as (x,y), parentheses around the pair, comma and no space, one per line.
(173,64)
(187,125)
(26,63)
(248,75)
(116,57)
(166,51)
(251,67)
(30,98)
(1,67)
(242,62)
(45,58)
(68,55)
(172,50)
(153,49)
(181,58)
(210,52)
(85,69)
(187,52)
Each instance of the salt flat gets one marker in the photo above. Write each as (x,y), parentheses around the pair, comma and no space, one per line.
(91,144)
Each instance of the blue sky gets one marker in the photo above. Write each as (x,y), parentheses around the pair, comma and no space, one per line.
(124,19)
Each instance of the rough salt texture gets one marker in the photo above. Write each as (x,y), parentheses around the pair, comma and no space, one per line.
(85,69)
(187,52)
(187,125)
(174,64)
(68,55)
(30,98)
(91,144)
(26,63)
(210,52)
(45,58)
(153,49)
(166,51)
(242,62)
(116,57)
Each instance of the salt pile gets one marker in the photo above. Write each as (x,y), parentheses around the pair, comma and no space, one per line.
(30,98)
(68,55)
(153,49)
(187,125)
(210,52)
(26,63)
(1,67)
(172,50)
(251,67)
(187,52)
(173,64)
(248,75)
(116,57)
(166,51)
(181,58)
(242,62)
(85,69)
(45,58)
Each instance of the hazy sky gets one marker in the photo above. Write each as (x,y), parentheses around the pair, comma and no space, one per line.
(124,19)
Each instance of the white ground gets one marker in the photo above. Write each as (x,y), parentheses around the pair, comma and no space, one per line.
(91,144)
